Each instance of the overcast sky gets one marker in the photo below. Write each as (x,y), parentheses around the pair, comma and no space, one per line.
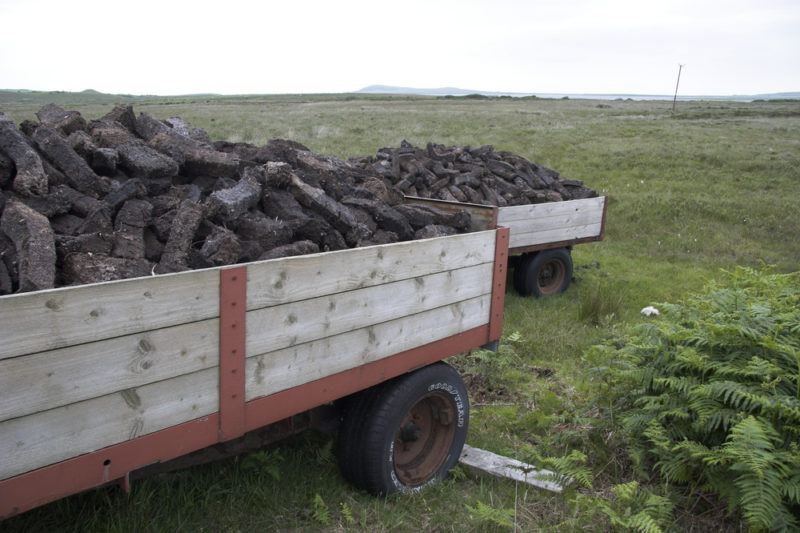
(234,47)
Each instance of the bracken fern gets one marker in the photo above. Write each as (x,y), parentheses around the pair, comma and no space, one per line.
(716,394)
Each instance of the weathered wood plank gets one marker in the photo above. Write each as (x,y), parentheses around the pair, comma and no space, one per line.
(282,369)
(497,465)
(281,281)
(575,218)
(274,328)
(75,315)
(555,235)
(50,436)
(531,211)
(56,318)
(482,216)
(50,379)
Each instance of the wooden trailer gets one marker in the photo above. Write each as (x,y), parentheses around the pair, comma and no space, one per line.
(100,380)
(542,237)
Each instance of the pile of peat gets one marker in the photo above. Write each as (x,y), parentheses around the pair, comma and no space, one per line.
(128,195)
(475,175)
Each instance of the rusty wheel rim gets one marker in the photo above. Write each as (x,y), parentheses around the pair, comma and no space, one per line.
(551,276)
(424,438)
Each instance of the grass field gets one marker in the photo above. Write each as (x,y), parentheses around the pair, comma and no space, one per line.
(710,187)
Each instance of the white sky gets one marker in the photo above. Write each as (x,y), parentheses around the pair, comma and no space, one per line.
(234,47)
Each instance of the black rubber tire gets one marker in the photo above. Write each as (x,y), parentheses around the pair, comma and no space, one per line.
(518,278)
(544,273)
(354,413)
(374,425)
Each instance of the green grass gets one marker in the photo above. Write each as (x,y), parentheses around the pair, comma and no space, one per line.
(235,495)
(713,186)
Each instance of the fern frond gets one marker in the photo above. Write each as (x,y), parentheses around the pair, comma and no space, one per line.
(482,512)
(570,469)
(626,492)
(791,487)
(644,523)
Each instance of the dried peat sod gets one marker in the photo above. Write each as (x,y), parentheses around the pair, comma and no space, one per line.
(129,195)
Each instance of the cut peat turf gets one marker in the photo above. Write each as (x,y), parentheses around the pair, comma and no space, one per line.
(128,195)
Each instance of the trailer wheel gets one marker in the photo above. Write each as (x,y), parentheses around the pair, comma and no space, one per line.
(354,409)
(411,432)
(543,274)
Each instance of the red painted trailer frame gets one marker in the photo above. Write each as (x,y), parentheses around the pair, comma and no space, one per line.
(235,415)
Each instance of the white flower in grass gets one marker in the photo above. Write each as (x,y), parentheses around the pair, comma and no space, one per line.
(650,311)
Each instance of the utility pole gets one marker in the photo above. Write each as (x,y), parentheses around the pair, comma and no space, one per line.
(675,98)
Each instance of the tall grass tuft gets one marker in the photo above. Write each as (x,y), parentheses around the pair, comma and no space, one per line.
(601,303)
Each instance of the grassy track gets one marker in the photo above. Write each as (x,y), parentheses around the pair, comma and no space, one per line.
(713,186)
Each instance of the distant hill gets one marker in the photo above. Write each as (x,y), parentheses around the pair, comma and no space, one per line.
(15,97)
(455,91)
(438,91)
(778,96)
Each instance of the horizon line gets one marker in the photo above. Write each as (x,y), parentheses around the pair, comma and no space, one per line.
(398,90)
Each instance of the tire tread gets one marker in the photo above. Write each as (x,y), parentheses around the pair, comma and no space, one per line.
(370,421)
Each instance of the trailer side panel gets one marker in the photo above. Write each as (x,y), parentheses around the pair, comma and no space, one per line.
(57,318)
(555,222)
(308,318)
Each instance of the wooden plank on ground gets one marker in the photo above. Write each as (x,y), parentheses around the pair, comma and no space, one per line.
(500,466)
(567,220)
(533,211)
(42,381)
(56,318)
(292,279)
(33,441)
(289,367)
(556,235)
(274,328)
